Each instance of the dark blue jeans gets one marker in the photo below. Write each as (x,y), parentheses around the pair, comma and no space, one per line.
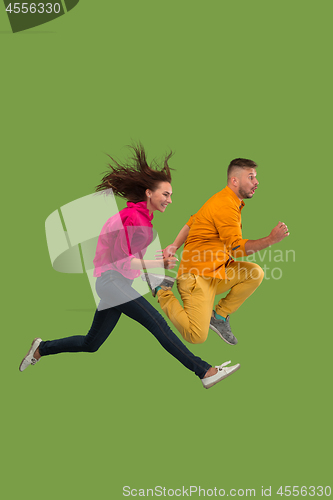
(117,297)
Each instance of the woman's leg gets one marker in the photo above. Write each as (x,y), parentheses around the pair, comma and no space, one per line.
(139,309)
(105,319)
(113,288)
(103,324)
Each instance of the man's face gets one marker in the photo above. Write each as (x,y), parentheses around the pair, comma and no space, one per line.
(247,183)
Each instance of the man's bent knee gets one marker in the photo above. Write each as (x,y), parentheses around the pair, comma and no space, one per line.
(195,338)
(256,274)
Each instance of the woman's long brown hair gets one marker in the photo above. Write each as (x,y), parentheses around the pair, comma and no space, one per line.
(131,179)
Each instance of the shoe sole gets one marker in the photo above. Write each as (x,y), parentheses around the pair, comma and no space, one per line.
(153,289)
(220,335)
(237,367)
(29,352)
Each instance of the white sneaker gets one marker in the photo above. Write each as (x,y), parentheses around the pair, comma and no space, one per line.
(29,358)
(222,372)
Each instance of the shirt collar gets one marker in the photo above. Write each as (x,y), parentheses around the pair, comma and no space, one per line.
(240,203)
(141,207)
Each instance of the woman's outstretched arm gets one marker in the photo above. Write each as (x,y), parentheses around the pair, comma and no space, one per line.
(167,263)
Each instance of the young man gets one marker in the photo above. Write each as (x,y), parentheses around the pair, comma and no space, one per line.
(212,237)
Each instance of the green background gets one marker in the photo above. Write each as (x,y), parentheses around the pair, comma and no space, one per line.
(212,81)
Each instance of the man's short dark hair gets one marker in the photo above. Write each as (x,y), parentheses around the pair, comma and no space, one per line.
(240,163)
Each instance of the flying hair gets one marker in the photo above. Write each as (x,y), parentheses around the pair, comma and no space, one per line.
(131,179)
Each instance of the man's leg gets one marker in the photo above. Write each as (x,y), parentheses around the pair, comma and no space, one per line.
(244,279)
(198,294)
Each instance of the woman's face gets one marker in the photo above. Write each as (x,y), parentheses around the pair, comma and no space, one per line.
(160,198)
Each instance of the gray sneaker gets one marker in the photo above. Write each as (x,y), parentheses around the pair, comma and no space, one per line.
(222,328)
(155,280)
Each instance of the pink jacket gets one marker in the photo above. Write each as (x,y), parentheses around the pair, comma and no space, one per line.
(125,235)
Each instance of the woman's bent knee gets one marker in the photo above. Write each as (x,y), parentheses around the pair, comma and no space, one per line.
(90,348)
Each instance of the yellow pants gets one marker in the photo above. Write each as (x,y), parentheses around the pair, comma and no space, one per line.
(198,295)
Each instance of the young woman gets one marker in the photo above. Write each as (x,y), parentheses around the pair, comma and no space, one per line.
(119,260)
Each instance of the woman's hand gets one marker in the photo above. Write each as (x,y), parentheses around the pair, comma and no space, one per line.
(166,257)
(170,262)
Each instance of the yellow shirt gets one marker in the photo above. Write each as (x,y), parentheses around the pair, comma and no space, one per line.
(215,234)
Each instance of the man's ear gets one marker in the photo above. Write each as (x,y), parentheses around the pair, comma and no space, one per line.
(234,181)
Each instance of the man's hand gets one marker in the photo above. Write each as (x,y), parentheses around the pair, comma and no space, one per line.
(278,233)
(169,251)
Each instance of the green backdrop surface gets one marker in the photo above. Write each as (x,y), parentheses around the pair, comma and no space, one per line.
(212,81)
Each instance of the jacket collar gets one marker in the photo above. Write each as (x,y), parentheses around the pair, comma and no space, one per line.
(141,207)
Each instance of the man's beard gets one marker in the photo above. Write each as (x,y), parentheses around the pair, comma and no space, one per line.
(243,194)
